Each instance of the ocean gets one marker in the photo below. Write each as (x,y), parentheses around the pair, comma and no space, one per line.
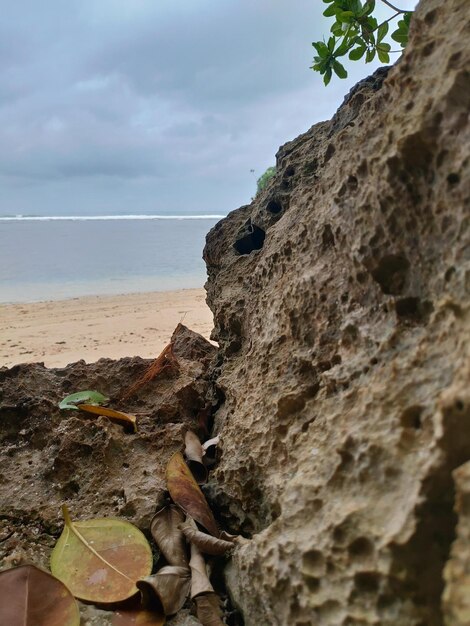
(51,258)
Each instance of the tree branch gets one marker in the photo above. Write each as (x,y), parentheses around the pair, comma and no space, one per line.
(389,4)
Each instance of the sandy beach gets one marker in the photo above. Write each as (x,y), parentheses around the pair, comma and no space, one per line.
(63,331)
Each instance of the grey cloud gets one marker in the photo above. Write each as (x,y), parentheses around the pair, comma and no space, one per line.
(114,105)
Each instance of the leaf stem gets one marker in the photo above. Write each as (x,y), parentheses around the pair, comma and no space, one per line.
(389,4)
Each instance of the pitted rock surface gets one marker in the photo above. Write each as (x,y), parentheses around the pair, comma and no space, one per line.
(49,457)
(341,305)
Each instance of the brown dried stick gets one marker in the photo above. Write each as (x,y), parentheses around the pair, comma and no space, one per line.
(164,360)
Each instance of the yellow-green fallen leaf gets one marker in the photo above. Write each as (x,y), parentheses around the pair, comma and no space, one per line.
(92,397)
(185,493)
(31,597)
(109,413)
(100,560)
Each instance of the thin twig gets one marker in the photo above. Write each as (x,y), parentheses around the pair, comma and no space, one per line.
(389,4)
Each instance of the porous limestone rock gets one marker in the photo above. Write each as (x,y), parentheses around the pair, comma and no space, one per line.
(457,570)
(49,457)
(341,304)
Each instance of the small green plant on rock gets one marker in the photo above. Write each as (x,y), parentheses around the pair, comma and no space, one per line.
(265,178)
(357,33)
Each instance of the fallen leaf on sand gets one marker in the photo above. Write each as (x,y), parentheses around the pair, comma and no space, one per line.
(168,536)
(194,452)
(109,413)
(92,397)
(100,560)
(31,597)
(185,493)
(168,587)
(206,543)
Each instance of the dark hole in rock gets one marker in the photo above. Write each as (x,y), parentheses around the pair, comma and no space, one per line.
(449,274)
(453,179)
(352,182)
(411,417)
(366,582)
(361,548)
(312,583)
(313,563)
(290,171)
(329,152)
(391,273)
(328,239)
(252,240)
(413,309)
(274,206)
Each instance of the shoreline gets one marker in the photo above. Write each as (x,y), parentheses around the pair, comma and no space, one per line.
(59,332)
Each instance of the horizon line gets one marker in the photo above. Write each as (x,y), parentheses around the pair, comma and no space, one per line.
(45,218)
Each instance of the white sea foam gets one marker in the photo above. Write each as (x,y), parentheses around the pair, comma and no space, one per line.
(73,218)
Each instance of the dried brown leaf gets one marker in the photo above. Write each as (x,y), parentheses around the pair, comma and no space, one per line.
(208,610)
(31,597)
(194,453)
(168,536)
(200,582)
(186,494)
(206,543)
(169,586)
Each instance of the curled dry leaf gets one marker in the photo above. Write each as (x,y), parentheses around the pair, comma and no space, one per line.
(206,543)
(168,536)
(110,413)
(169,587)
(92,397)
(208,610)
(186,493)
(100,560)
(200,582)
(31,597)
(194,452)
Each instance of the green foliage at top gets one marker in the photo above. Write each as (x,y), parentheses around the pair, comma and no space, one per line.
(357,33)
(265,178)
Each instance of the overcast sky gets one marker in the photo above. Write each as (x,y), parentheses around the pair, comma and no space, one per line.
(153,106)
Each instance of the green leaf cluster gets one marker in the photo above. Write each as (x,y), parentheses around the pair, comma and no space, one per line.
(265,178)
(356,33)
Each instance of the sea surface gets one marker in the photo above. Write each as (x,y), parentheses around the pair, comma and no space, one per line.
(51,258)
